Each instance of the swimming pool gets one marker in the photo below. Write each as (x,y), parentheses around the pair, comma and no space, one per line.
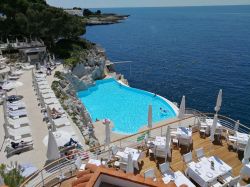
(127,107)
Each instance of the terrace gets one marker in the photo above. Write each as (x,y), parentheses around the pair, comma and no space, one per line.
(64,170)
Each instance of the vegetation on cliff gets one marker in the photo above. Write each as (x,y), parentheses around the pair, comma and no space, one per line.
(35,18)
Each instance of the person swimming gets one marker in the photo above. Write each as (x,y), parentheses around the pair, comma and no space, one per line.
(163,111)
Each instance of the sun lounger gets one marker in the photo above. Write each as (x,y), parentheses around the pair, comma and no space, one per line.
(20,149)
(44,82)
(51,101)
(40,75)
(64,121)
(44,86)
(28,67)
(40,79)
(16,106)
(12,77)
(17,113)
(48,95)
(43,91)
(20,133)
(16,123)
(17,73)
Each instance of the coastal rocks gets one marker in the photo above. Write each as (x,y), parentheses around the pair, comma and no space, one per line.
(90,67)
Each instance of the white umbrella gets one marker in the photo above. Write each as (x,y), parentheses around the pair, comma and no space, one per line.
(61,138)
(246,153)
(130,167)
(8,42)
(236,126)
(167,143)
(12,85)
(53,152)
(107,133)
(218,102)
(182,108)
(17,41)
(213,128)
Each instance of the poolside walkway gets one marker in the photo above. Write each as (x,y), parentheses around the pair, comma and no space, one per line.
(39,130)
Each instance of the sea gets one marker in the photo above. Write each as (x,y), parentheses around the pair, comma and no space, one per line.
(191,51)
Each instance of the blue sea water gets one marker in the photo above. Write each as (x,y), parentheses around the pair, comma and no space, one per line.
(191,51)
(127,107)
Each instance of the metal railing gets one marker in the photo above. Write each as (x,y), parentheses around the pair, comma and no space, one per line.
(66,167)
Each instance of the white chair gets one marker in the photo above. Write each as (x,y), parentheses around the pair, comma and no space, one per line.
(79,165)
(240,146)
(203,130)
(164,168)
(187,158)
(200,153)
(150,174)
(234,182)
(215,183)
(227,177)
(114,150)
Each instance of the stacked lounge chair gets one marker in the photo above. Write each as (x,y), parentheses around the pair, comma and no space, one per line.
(17,127)
(53,111)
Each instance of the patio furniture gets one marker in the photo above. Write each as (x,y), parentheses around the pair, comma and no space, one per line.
(150,173)
(164,168)
(123,155)
(178,178)
(234,182)
(200,153)
(204,174)
(245,171)
(188,158)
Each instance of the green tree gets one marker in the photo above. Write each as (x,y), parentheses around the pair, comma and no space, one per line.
(98,12)
(37,19)
(11,178)
(87,12)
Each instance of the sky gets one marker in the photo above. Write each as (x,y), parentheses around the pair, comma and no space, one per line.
(141,3)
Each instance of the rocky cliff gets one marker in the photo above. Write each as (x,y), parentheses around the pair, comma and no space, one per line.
(91,67)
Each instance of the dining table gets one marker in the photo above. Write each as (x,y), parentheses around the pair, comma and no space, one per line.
(203,173)
(123,155)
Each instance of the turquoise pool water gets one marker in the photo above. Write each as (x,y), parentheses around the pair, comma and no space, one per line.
(127,107)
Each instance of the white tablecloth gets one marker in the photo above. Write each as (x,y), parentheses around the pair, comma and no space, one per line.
(95,162)
(134,153)
(178,178)
(242,137)
(202,173)
(184,134)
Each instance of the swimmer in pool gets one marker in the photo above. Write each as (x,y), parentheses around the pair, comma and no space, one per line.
(163,111)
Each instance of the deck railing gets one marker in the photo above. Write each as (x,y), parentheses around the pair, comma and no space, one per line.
(65,168)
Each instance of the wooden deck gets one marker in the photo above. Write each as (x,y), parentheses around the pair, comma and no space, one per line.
(232,158)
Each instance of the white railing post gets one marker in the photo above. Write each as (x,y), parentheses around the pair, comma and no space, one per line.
(42,178)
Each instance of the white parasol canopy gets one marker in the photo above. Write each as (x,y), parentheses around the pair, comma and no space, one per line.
(167,145)
(218,102)
(150,122)
(213,128)
(246,153)
(53,152)
(130,167)
(182,108)
(61,138)
(107,133)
